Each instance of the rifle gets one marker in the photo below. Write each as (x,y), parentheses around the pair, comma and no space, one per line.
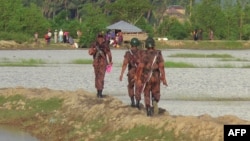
(99,52)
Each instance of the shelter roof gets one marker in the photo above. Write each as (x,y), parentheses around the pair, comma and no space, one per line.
(124,27)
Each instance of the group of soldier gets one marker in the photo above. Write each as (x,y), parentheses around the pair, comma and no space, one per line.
(145,71)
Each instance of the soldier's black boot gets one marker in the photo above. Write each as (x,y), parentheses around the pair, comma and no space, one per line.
(138,104)
(132,101)
(149,111)
(99,94)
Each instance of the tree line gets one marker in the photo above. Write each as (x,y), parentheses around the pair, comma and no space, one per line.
(229,19)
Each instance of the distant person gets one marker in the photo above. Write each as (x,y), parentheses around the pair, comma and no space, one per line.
(71,42)
(102,57)
(131,61)
(46,37)
(55,36)
(79,34)
(49,36)
(195,35)
(108,37)
(120,38)
(211,34)
(60,34)
(36,37)
(116,43)
(112,34)
(66,37)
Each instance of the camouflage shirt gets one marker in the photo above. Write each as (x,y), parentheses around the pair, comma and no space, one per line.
(101,54)
(132,56)
(148,59)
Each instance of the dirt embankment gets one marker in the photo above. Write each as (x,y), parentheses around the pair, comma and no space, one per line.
(80,108)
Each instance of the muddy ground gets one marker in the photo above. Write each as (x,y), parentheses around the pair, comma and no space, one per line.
(81,107)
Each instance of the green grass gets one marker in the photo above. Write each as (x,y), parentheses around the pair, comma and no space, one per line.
(234,59)
(28,107)
(193,55)
(22,62)
(36,62)
(246,66)
(10,99)
(203,45)
(170,64)
(141,133)
(82,61)
(179,65)
(49,105)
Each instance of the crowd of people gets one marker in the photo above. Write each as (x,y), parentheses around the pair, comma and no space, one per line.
(114,38)
(145,71)
(60,37)
(198,34)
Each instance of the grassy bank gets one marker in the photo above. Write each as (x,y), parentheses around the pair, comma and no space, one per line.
(205,44)
(47,119)
(169,64)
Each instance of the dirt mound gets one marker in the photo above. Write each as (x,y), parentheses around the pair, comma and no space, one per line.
(80,108)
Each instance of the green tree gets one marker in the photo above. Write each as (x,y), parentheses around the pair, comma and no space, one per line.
(33,20)
(16,18)
(246,22)
(173,29)
(177,30)
(163,28)
(130,11)
(142,23)
(94,22)
(242,15)
(10,13)
(209,15)
(232,25)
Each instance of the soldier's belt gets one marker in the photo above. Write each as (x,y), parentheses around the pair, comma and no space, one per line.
(148,70)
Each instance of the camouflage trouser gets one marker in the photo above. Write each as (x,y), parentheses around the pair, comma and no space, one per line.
(100,71)
(131,82)
(153,88)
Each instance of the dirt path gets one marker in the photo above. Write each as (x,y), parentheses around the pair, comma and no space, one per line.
(81,107)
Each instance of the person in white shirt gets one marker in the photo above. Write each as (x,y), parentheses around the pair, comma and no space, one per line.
(60,36)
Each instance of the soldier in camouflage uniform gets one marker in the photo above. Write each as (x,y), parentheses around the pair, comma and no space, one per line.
(151,72)
(102,57)
(131,60)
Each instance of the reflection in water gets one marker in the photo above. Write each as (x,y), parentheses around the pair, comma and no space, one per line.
(7,134)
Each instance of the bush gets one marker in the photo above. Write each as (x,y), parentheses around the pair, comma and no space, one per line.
(18,37)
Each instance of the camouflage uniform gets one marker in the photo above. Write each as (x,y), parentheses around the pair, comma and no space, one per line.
(100,52)
(153,85)
(131,61)
(151,61)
